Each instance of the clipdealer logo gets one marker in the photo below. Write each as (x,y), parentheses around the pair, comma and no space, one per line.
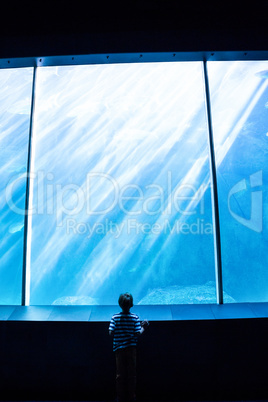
(71,200)
(256,202)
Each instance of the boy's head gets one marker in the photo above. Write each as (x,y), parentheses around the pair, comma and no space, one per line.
(125,301)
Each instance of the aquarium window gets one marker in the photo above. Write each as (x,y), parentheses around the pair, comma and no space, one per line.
(121,194)
(15,107)
(239,101)
(120,190)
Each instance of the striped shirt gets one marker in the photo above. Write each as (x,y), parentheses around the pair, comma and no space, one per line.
(125,328)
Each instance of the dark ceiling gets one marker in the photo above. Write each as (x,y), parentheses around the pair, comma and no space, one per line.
(63,27)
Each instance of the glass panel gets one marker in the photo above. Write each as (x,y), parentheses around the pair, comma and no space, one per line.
(122,186)
(15,106)
(239,97)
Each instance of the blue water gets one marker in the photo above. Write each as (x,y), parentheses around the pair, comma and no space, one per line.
(121,196)
(15,104)
(241,150)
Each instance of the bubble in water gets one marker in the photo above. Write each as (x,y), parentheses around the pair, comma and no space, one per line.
(266,105)
(16,227)
(262,74)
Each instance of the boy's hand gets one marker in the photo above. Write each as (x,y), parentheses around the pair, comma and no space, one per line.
(145,324)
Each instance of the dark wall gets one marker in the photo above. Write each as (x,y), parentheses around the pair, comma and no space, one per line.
(179,360)
(57,28)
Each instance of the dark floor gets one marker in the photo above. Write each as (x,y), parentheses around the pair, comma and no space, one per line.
(255,400)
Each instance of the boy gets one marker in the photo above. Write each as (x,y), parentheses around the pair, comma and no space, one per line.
(125,327)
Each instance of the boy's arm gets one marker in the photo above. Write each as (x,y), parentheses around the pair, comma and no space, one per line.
(141,331)
(112,327)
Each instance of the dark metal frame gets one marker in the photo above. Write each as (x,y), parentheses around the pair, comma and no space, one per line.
(107,58)
(133,58)
(214,193)
(25,273)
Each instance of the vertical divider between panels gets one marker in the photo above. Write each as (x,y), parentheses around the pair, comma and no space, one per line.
(214,193)
(25,296)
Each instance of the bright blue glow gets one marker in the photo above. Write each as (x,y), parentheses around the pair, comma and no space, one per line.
(239,95)
(121,195)
(15,104)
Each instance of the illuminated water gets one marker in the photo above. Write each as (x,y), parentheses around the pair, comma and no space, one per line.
(15,104)
(239,96)
(121,190)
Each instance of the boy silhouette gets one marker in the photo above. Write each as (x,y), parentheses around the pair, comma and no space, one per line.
(125,327)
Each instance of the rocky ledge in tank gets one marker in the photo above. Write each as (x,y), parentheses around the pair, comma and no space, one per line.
(75,301)
(195,294)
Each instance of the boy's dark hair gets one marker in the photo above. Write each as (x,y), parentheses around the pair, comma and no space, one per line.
(125,301)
